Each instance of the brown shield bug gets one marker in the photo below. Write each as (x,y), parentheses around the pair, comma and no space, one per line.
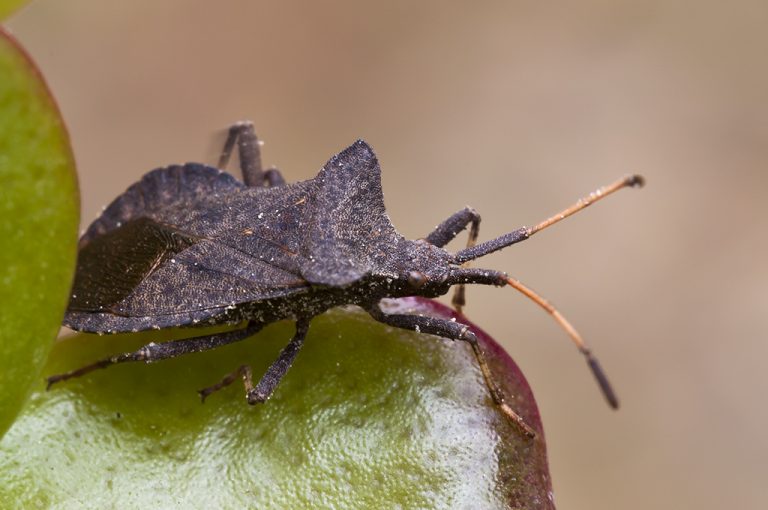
(192,246)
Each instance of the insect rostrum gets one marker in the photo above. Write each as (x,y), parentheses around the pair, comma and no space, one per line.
(192,246)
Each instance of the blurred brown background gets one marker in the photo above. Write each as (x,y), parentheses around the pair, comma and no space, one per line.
(516,108)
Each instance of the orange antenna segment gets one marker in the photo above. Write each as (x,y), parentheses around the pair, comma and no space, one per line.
(629,181)
(594,365)
(521,234)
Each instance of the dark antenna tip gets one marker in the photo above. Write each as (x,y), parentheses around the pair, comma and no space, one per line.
(636,181)
(602,380)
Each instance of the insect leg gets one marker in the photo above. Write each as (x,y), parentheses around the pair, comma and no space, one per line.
(277,370)
(269,381)
(156,352)
(455,331)
(490,277)
(243,134)
(273,177)
(449,229)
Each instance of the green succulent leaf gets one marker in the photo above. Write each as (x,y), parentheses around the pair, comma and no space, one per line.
(368,417)
(8,7)
(38,224)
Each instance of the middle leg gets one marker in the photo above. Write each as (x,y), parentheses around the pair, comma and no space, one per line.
(271,378)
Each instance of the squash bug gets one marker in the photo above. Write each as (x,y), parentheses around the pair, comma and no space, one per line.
(192,246)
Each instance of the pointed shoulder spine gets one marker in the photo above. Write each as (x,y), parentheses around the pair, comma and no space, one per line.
(358,156)
(349,224)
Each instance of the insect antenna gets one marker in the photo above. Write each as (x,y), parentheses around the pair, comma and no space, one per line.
(491,277)
(594,365)
(521,234)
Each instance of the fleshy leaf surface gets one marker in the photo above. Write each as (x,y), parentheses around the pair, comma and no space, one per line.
(368,417)
(39,211)
(8,7)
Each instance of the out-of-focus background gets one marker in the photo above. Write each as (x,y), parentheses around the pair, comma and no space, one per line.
(516,108)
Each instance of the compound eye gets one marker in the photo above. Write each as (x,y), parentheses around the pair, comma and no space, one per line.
(416,279)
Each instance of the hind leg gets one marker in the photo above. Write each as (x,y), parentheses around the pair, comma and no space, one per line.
(156,352)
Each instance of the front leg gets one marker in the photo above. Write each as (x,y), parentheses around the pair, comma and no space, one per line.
(447,231)
(455,331)
(451,227)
